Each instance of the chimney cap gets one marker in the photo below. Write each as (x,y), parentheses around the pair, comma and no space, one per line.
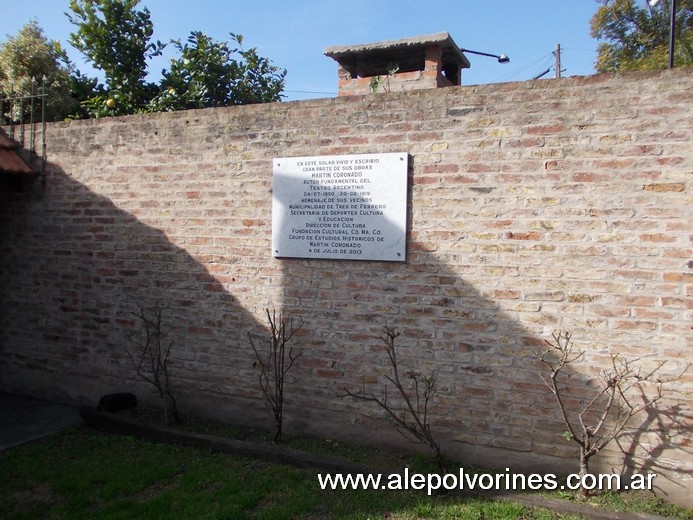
(377,55)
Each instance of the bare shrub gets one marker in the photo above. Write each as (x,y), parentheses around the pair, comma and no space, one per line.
(622,391)
(275,362)
(151,356)
(412,419)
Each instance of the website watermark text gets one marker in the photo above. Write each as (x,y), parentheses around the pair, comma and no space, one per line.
(472,481)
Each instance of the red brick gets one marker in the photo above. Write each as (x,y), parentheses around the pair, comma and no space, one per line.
(666,187)
(678,277)
(546,129)
(441,168)
(658,237)
(634,325)
(532,235)
(329,373)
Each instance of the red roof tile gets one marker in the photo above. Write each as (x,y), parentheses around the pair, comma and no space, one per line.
(6,142)
(10,160)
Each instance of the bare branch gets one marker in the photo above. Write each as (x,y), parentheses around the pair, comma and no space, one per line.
(611,404)
(152,356)
(273,364)
(411,421)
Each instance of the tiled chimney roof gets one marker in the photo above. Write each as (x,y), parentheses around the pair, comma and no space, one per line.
(408,53)
(428,61)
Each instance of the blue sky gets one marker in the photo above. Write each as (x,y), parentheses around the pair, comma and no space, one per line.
(294,34)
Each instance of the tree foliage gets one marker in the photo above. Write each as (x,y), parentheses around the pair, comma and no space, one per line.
(207,75)
(115,38)
(635,36)
(30,56)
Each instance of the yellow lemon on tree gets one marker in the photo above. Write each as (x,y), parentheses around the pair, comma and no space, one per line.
(111,103)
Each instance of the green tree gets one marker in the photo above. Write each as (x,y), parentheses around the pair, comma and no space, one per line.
(635,36)
(90,94)
(29,57)
(115,37)
(207,74)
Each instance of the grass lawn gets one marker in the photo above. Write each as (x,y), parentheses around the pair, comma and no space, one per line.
(86,474)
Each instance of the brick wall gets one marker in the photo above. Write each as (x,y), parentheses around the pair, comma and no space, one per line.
(535,206)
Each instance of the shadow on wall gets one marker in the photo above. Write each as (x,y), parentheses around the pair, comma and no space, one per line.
(646,449)
(491,408)
(74,269)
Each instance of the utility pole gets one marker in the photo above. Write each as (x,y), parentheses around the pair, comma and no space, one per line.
(557,53)
(672,29)
(672,33)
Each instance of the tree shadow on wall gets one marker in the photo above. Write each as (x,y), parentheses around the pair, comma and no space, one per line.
(74,268)
(492,408)
(646,449)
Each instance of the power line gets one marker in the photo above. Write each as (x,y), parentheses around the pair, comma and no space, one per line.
(309,92)
(522,71)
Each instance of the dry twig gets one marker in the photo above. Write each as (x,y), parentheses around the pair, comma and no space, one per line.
(606,414)
(152,355)
(275,363)
(413,420)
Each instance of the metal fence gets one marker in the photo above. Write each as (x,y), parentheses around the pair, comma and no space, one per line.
(22,113)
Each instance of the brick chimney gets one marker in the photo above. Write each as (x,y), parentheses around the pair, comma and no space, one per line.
(429,61)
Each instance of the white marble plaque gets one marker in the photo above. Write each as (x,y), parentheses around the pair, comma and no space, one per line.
(348,207)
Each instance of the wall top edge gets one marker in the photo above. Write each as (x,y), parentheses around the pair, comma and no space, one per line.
(685,74)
